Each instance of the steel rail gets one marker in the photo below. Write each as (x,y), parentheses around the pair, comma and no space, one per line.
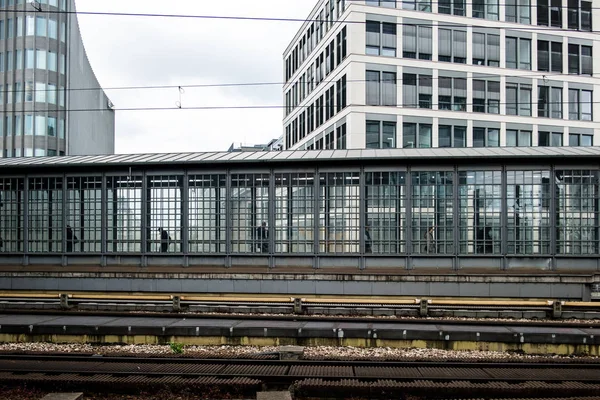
(311,318)
(300,369)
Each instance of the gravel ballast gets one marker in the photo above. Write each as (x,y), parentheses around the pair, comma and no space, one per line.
(323,352)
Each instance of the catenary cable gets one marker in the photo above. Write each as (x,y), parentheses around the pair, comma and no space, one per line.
(538,74)
(275,19)
(266,107)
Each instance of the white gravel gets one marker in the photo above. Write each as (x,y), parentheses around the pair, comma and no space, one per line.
(593,322)
(309,352)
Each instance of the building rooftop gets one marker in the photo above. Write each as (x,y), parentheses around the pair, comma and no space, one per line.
(303,156)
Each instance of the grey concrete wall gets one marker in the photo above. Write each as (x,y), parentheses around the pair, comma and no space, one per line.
(93,132)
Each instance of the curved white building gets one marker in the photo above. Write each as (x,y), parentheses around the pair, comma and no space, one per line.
(448,73)
(43,67)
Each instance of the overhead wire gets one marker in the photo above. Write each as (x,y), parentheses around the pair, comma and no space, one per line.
(266,19)
(262,107)
(477,75)
(275,19)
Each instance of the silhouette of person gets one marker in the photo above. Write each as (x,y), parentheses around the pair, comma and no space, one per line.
(263,236)
(71,239)
(429,245)
(368,241)
(165,240)
(1,205)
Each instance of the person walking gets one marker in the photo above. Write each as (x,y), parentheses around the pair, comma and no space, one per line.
(165,240)
(368,241)
(263,237)
(429,241)
(71,239)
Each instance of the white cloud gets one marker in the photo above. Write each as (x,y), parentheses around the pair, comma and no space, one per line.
(136,51)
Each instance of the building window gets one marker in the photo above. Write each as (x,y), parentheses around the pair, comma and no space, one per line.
(381,88)
(340,89)
(549,13)
(341,46)
(452,136)
(580,15)
(452,46)
(518,99)
(10,28)
(417,90)
(381,39)
(40,92)
(19,60)
(41,59)
(329,140)
(552,139)
(40,125)
(329,102)
(580,59)
(40,26)
(452,94)
(51,61)
(580,104)
(341,137)
(580,140)
(51,126)
(486,137)
(30,26)
(381,3)
(416,135)
(456,7)
(419,5)
(29,91)
(28,125)
(486,49)
(29,59)
(417,42)
(518,11)
(18,92)
(550,57)
(486,101)
(518,53)
(487,9)
(381,135)
(52,29)
(518,138)
(9,94)
(549,102)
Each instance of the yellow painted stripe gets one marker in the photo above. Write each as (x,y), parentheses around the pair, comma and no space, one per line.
(239,299)
(346,300)
(92,296)
(582,304)
(30,295)
(517,303)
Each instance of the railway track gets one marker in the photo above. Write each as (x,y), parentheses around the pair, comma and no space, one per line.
(342,306)
(306,378)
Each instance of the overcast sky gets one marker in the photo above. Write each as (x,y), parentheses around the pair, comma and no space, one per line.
(135,51)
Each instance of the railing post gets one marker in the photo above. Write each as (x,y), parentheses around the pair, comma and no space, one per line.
(104,221)
(271,218)
(228,219)
(185,220)
(26,221)
(316,230)
(409,250)
(362,219)
(504,218)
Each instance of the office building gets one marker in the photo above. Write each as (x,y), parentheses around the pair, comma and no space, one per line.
(449,73)
(43,69)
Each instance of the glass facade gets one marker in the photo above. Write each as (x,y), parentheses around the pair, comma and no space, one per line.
(34,81)
(452,211)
